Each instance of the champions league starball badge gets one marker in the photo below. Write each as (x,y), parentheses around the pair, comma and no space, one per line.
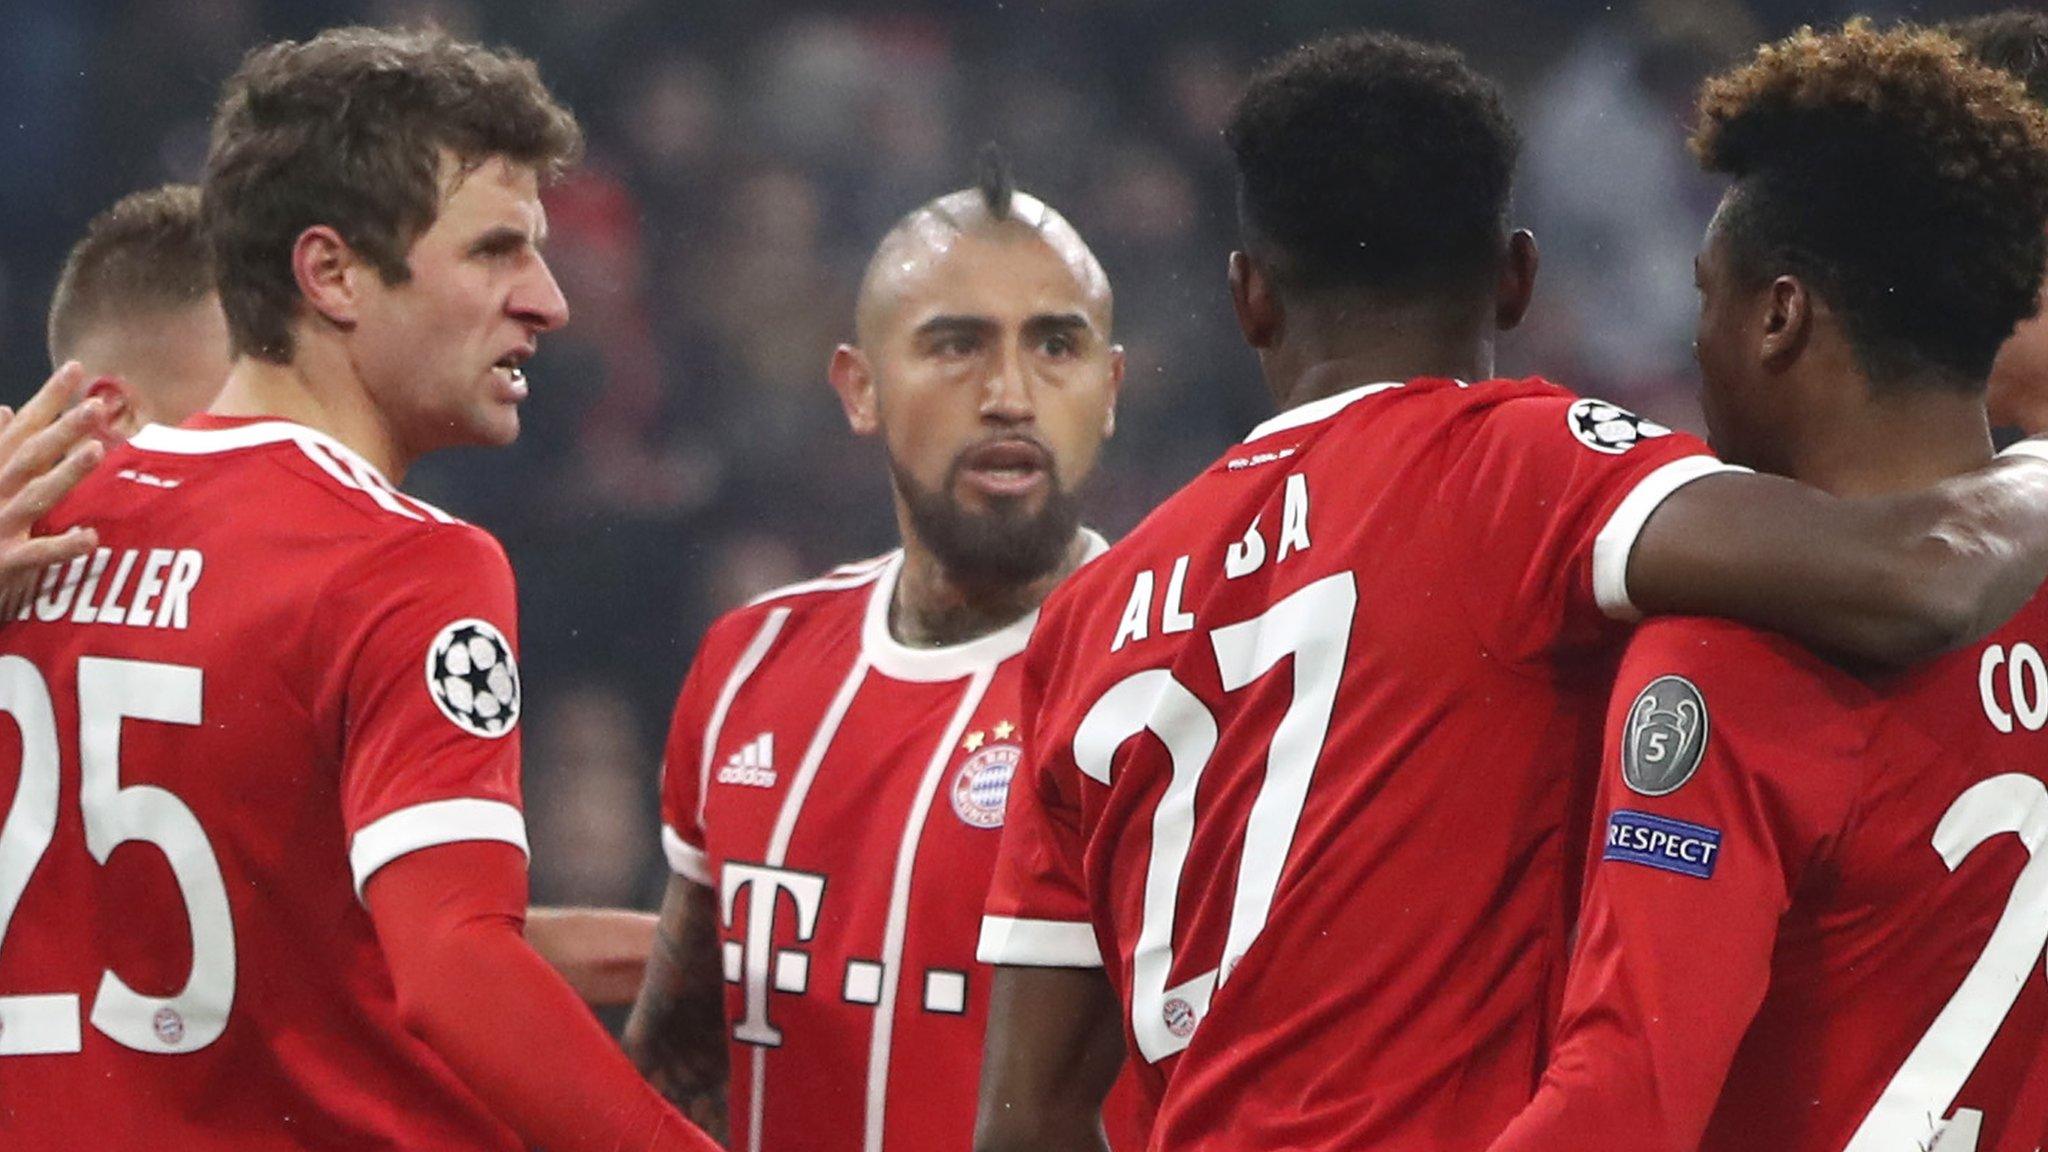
(1604,427)
(982,786)
(473,679)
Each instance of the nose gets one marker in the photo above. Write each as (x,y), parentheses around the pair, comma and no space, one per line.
(537,301)
(1007,396)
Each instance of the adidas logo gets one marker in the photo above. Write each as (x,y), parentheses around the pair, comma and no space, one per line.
(753,765)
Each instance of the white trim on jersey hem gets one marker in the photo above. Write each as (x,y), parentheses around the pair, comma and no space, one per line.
(1318,410)
(2037,448)
(684,858)
(1037,943)
(430,825)
(898,661)
(1617,539)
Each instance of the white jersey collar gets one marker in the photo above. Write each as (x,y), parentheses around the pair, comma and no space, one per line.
(899,661)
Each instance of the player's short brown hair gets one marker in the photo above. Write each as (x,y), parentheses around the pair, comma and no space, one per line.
(1907,183)
(348,130)
(146,253)
(2015,41)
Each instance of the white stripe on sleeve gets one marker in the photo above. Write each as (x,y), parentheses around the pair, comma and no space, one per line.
(1038,943)
(427,825)
(684,858)
(1617,539)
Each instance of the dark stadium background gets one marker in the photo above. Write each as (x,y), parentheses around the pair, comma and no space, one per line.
(682,451)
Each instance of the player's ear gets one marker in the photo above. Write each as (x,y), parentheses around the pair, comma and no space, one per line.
(1517,284)
(854,381)
(1257,302)
(1116,386)
(329,274)
(1787,322)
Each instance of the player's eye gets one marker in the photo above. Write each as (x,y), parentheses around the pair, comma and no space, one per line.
(1061,344)
(954,344)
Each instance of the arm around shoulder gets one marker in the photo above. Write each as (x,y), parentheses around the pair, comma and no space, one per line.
(1891,579)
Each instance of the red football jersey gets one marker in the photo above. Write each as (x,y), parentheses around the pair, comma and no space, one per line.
(1305,748)
(844,795)
(274,676)
(1821,900)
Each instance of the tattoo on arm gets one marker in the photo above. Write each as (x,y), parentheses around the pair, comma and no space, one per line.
(677,1033)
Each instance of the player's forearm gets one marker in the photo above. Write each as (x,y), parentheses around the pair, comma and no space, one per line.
(601,952)
(677,1032)
(516,1034)
(1891,579)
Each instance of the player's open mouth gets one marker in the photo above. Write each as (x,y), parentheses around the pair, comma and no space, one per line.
(511,373)
(1011,467)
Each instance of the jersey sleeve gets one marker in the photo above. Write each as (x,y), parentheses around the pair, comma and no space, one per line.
(1731,767)
(683,763)
(1037,911)
(429,694)
(1553,491)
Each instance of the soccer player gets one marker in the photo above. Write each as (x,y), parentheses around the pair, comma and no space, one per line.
(1307,747)
(2017,396)
(136,301)
(836,771)
(262,878)
(1822,898)
(136,305)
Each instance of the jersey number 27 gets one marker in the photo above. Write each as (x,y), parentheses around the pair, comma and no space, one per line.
(1313,625)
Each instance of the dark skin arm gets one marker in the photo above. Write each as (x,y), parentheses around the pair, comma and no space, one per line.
(1055,1043)
(1890,579)
(677,1032)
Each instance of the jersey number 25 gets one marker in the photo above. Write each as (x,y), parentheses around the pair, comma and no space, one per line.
(110,691)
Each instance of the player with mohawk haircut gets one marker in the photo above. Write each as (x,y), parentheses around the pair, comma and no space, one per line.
(840,755)
(1820,905)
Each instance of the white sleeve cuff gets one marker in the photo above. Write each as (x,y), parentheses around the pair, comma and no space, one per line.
(684,858)
(1038,943)
(2037,448)
(1612,546)
(428,825)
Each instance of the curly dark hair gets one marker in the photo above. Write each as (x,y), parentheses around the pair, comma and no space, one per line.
(2015,41)
(1373,162)
(348,130)
(1906,183)
(146,253)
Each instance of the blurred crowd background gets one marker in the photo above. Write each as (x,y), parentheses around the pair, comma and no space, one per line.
(682,451)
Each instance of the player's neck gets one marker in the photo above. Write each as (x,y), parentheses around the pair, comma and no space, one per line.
(1330,349)
(1894,443)
(932,609)
(319,391)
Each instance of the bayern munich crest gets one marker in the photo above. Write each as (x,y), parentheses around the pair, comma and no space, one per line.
(982,786)
(1604,427)
(473,679)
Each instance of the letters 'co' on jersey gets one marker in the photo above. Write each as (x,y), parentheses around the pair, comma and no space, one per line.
(1304,752)
(844,795)
(274,676)
(1831,891)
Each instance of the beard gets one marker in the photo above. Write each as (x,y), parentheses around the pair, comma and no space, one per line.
(1004,545)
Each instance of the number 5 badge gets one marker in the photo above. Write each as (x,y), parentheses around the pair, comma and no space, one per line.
(1666,736)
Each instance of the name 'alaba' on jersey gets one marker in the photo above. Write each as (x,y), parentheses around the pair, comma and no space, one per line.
(1821,901)
(1305,752)
(844,795)
(275,675)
